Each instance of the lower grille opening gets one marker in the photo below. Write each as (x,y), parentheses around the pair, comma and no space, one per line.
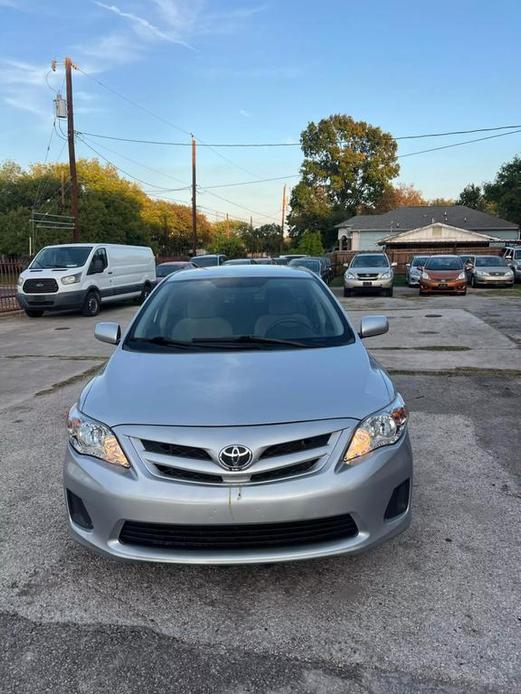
(399,501)
(235,537)
(78,512)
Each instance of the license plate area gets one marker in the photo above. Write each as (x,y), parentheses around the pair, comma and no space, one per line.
(442,286)
(367,284)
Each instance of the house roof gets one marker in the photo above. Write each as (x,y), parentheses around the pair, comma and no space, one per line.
(437,233)
(406,218)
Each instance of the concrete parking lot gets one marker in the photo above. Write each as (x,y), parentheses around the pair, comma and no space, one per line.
(436,610)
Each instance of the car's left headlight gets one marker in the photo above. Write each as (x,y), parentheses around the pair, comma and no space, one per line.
(380,429)
(462,276)
(350,276)
(20,281)
(71,279)
(89,437)
(385,275)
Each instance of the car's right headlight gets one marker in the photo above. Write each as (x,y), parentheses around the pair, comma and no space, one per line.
(89,437)
(380,429)
(71,279)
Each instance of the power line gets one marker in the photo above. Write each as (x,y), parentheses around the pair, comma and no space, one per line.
(164,120)
(247,183)
(283,144)
(230,202)
(458,132)
(145,166)
(458,144)
(135,178)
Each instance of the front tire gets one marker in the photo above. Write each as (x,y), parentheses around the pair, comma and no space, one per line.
(92,304)
(347,292)
(145,293)
(473,282)
(388,292)
(33,313)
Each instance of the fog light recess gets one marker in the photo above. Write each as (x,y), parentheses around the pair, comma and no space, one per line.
(78,513)
(399,501)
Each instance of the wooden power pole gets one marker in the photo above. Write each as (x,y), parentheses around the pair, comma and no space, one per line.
(194,197)
(283,219)
(72,153)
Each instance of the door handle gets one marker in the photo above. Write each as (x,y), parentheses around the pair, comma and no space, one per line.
(109,273)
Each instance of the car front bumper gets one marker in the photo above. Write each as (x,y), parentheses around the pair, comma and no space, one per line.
(60,301)
(368,284)
(442,287)
(494,281)
(113,495)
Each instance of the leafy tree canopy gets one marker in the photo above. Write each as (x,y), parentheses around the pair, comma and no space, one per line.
(310,243)
(505,191)
(348,165)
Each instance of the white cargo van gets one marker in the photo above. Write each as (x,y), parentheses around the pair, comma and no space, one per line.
(85,275)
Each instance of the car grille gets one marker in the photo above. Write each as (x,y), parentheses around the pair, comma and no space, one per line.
(367,275)
(236,537)
(498,274)
(200,465)
(40,286)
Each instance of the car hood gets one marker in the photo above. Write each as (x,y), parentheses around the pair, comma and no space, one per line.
(237,388)
(492,268)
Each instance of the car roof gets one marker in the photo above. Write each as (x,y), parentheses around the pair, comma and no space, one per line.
(174,262)
(239,271)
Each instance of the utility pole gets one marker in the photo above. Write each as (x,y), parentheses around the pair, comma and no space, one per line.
(194,197)
(62,177)
(283,219)
(72,153)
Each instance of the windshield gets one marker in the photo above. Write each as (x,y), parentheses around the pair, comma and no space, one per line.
(489,261)
(444,263)
(239,313)
(419,261)
(205,260)
(165,270)
(313,265)
(370,261)
(239,261)
(64,257)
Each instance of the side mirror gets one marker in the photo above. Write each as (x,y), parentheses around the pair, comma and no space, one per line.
(370,326)
(345,264)
(108,332)
(394,264)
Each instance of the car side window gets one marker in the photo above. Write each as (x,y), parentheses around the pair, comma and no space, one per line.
(99,262)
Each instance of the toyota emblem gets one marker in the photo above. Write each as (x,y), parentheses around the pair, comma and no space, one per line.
(235,457)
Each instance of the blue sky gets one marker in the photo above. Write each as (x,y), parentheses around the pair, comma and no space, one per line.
(257,71)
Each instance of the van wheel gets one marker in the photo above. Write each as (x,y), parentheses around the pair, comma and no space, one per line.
(33,313)
(91,306)
(144,294)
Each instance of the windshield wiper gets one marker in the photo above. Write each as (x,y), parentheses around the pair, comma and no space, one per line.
(163,342)
(249,340)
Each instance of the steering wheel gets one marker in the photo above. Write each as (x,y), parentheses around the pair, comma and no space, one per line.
(289,322)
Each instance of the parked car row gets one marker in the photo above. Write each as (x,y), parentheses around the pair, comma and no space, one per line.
(476,270)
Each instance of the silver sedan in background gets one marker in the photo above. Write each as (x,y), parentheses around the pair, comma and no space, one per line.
(414,269)
(489,270)
(202,442)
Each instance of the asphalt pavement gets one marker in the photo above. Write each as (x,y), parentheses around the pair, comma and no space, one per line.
(438,609)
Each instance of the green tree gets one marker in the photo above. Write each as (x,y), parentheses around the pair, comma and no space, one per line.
(348,165)
(472,196)
(310,243)
(505,191)
(228,243)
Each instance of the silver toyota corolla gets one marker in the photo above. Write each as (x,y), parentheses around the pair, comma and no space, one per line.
(239,420)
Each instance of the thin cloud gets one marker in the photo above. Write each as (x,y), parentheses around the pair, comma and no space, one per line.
(244,113)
